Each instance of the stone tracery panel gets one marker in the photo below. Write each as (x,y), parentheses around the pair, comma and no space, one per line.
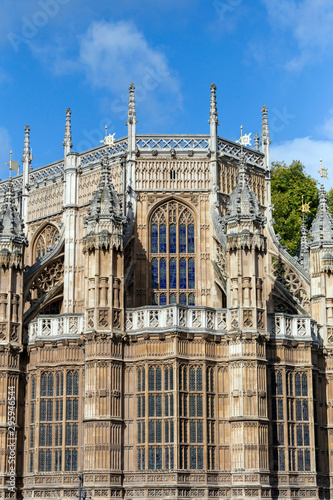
(45,240)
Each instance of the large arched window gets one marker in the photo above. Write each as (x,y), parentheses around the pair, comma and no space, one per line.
(45,240)
(172,250)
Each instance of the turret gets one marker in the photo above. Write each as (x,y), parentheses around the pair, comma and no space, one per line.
(68,134)
(321,265)
(213,141)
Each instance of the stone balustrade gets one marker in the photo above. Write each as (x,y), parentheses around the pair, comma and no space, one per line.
(54,326)
(176,317)
(290,326)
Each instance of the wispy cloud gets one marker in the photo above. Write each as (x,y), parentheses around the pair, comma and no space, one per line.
(307,150)
(310,24)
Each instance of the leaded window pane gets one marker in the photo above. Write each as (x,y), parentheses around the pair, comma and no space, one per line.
(199,406)
(32,437)
(76,384)
(158,406)
(173,299)
(298,391)
(163,279)
(279,383)
(193,458)
(300,460)
(200,458)
(31,462)
(307,460)
(50,385)
(163,299)
(305,411)
(306,436)
(190,241)
(158,379)
(281,434)
(154,238)
(192,379)
(42,434)
(69,384)
(191,299)
(49,411)
(199,379)
(48,460)
(158,432)
(68,460)
(43,385)
(162,238)
(298,410)
(299,435)
(282,461)
(280,409)
(151,431)
(182,274)
(33,388)
(182,238)
(183,299)
(42,461)
(151,463)
(42,410)
(173,274)
(192,406)
(200,432)
(304,385)
(191,274)
(49,436)
(154,273)
(75,409)
(159,458)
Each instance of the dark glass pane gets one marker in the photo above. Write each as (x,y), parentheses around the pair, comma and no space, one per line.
(306,436)
(43,384)
(282,461)
(76,384)
(280,409)
(75,435)
(56,436)
(173,298)
(151,431)
(199,406)
(199,379)
(193,458)
(31,462)
(307,460)
(31,437)
(167,464)
(172,438)
(154,238)
(74,460)
(193,432)
(167,433)
(33,388)
(158,432)
(171,378)
(162,238)
(151,458)
(151,402)
(158,458)
(50,385)
(50,410)
(192,379)
(299,433)
(279,383)
(173,239)
(173,274)
(182,238)
(281,434)
(163,280)
(58,384)
(171,406)
(163,299)
(182,274)
(69,384)
(300,460)
(171,459)
(75,409)
(166,378)
(304,385)
(32,416)
(273,383)
(49,436)
(298,410)
(42,435)
(191,274)
(154,273)
(158,379)
(199,432)
(158,406)
(298,391)
(42,461)
(151,379)
(200,458)
(69,409)
(305,411)
(154,299)
(190,241)
(192,405)
(166,406)
(68,435)
(182,299)
(191,299)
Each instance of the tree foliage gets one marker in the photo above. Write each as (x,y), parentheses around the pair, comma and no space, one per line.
(289,184)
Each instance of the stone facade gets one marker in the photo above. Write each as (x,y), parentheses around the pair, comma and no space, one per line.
(155,337)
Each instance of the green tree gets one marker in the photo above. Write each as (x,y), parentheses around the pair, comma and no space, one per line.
(289,184)
(330,200)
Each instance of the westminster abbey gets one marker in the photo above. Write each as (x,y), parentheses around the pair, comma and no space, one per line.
(156,339)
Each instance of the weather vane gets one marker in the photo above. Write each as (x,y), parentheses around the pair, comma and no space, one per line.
(245,140)
(305,208)
(323,171)
(13,165)
(108,139)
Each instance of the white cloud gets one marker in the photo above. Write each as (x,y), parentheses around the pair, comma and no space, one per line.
(4,151)
(310,23)
(309,152)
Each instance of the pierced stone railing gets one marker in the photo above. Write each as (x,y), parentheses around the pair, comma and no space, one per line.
(294,327)
(55,326)
(232,149)
(176,317)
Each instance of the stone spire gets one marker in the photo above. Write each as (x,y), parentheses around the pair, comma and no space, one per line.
(11,223)
(303,250)
(26,158)
(265,142)
(213,118)
(67,144)
(322,226)
(256,142)
(242,200)
(131,119)
(26,162)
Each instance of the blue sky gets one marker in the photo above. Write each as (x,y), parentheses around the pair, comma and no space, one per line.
(84,54)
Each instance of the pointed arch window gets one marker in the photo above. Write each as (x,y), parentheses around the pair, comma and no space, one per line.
(45,240)
(172,249)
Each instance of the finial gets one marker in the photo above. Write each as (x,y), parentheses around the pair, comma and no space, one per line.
(108,139)
(131,115)
(27,156)
(256,142)
(13,165)
(323,171)
(264,126)
(305,208)
(213,117)
(67,144)
(245,140)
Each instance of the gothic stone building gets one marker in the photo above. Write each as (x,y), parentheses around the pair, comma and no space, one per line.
(155,337)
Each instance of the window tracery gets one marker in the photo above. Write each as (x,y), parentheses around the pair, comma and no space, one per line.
(172,248)
(45,241)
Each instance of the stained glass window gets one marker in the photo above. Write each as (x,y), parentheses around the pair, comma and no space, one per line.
(43,384)
(33,388)
(172,232)
(282,461)
(304,385)
(280,409)
(306,436)
(50,385)
(298,410)
(279,383)
(305,410)
(298,391)
(307,460)
(300,460)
